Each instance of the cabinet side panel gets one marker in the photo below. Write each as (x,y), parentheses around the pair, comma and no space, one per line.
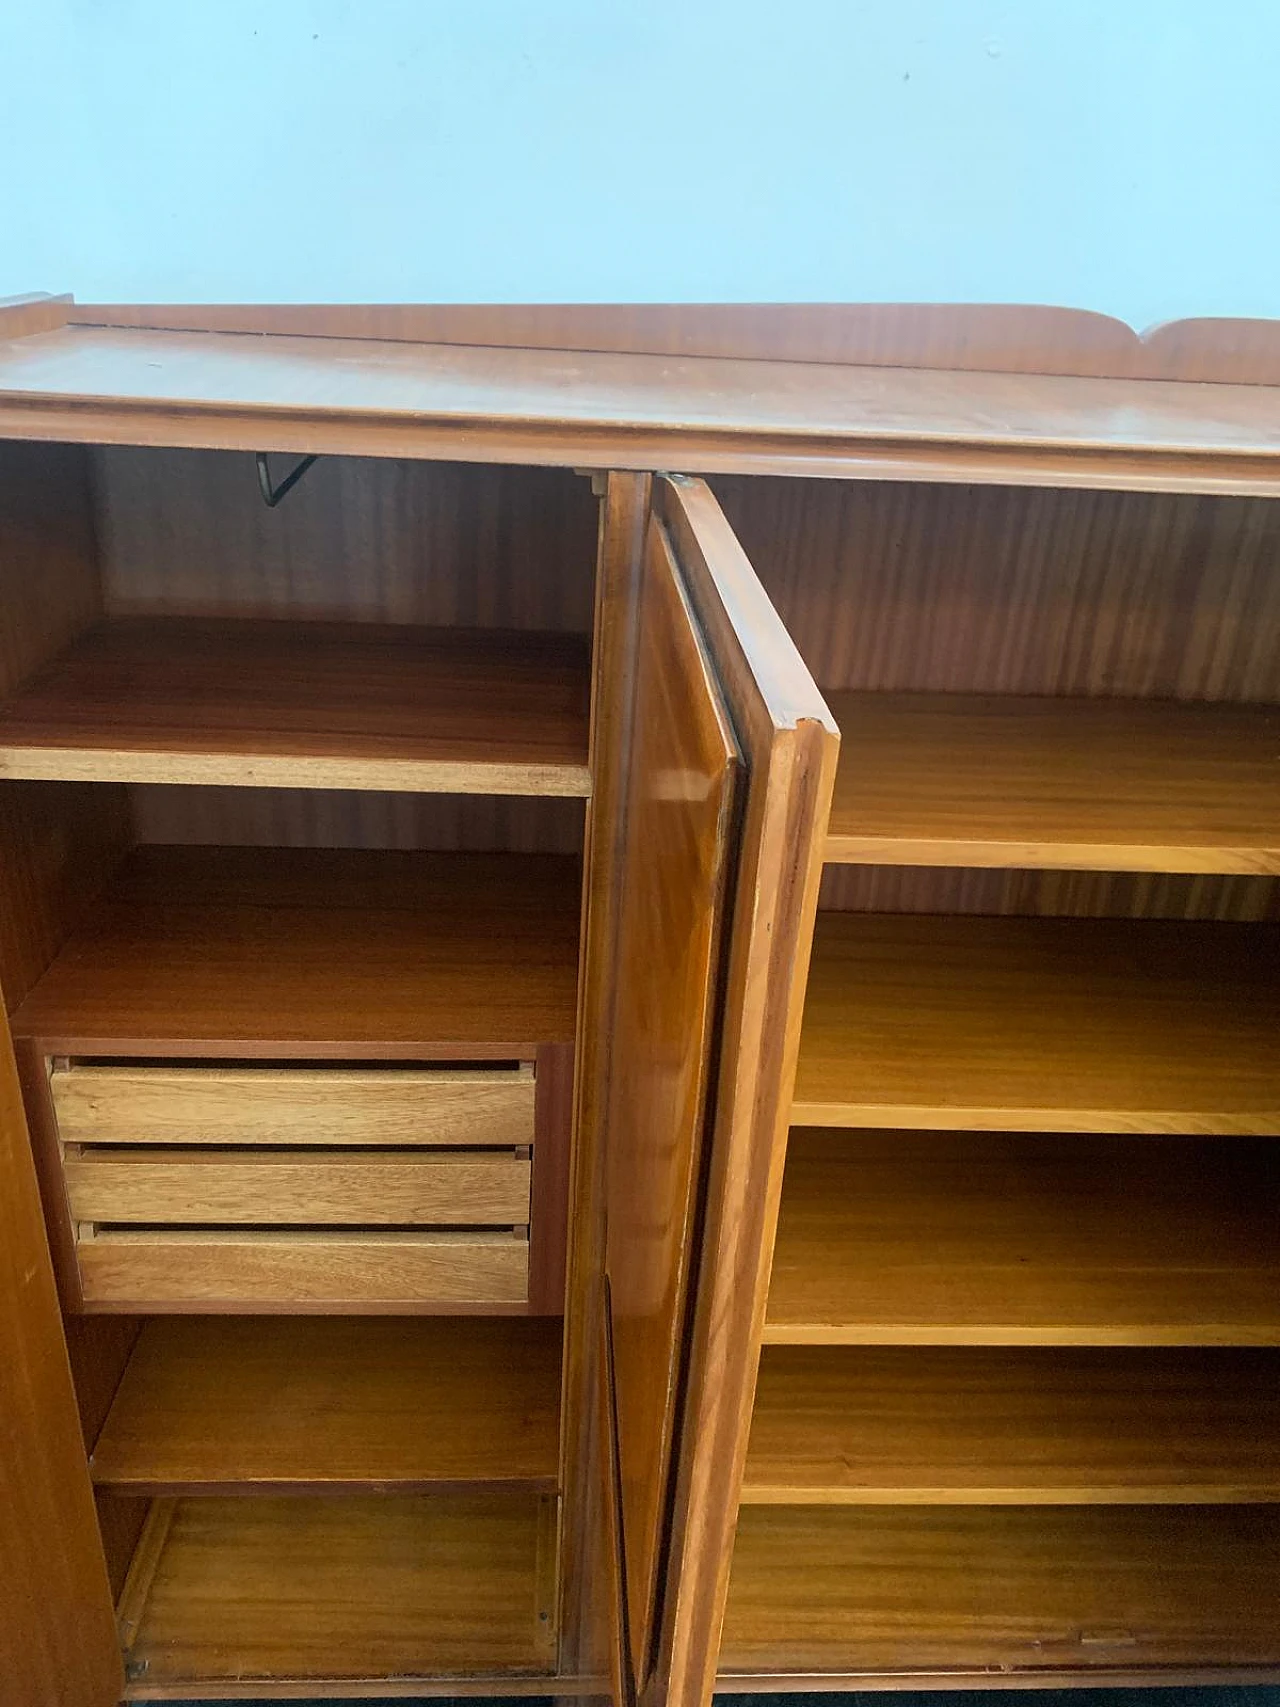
(57,843)
(57,1630)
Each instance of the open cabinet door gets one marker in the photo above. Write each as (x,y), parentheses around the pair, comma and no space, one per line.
(683,768)
(57,1628)
(789,744)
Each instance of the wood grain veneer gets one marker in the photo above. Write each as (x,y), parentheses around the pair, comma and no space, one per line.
(995,337)
(978,1426)
(591,1586)
(675,864)
(274,704)
(1002,780)
(1039,1589)
(549,1189)
(1046,1024)
(925,1238)
(376,540)
(57,845)
(789,745)
(592,409)
(151,1271)
(990,589)
(125,1104)
(312,953)
(57,1637)
(1042,893)
(36,311)
(265,1187)
(361,539)
(326,1404)
(1214,347)
(280,1588)
(992,337)
(337,818)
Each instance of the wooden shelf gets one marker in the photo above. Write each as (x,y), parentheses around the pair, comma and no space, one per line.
(318,952)
(915,1238)
(1091,784)
(970,1587)
(332,1403)
(945,1426)
(306,705)
(348,1588)
(1066,1025)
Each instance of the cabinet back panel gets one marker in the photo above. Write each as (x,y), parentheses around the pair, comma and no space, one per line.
(362,539)
(185,532)
(324,818)
(1052,894)
(991,589)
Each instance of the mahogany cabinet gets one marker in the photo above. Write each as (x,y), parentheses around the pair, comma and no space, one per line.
(617,1079)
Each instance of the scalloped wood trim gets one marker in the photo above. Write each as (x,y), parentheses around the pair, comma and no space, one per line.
(975,337)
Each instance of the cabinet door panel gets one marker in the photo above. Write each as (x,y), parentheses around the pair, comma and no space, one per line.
(57,1630)
(789,744)
(675,868)
(711,775)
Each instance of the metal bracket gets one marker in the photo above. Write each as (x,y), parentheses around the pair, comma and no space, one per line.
(271,495)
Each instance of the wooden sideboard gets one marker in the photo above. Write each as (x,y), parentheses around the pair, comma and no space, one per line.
(643,1001)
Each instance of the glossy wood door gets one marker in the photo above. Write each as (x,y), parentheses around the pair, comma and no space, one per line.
(57,1629)
(789,745)
(676,860)
(711,777)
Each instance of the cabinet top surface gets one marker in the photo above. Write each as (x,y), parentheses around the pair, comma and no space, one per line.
(235,390)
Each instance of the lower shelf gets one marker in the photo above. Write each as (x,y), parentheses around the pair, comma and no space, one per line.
(332,1404)
(345,1588)
(1040,1589)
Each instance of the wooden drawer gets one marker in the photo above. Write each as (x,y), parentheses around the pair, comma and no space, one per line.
(293,1105)
(272,1186)
(146,1269)
(347,1188)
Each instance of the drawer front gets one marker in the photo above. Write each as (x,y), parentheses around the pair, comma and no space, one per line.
(258,1270)
(286,1105)
(274,1186)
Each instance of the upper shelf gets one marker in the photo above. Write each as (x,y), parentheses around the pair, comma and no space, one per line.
(595,409)
(307,704)
(1088,784)
(1054,1025)
(318,952)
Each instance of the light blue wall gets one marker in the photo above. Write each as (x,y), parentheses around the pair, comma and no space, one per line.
(1122,155)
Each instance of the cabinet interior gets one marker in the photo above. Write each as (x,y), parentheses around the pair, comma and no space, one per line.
(1015,1400)
(293,815)
(295,807)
